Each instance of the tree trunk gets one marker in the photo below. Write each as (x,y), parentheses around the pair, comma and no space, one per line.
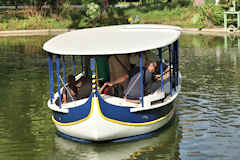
(16,4)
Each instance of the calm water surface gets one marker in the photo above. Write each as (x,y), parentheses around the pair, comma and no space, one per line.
(206,125)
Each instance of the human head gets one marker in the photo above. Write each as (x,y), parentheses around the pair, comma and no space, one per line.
(71,79)
(151,66)
(72,83)
(81,81)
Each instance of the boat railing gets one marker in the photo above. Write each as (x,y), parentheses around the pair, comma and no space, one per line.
(161,102)
(64,107)
(170,50)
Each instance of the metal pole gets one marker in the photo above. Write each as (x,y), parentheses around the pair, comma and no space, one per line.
(51,82)
(177,60)
(64,70)
(74,63)
(161,68)
(58,80)
(170,71)
(141,79)
(82,68)
(92,67)
(174,66)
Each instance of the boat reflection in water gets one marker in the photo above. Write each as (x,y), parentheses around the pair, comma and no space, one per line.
(164,145)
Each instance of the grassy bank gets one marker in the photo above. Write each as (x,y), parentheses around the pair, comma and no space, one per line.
(34,23)
(31,19)
(183,16)
(186,16)
(180,16)
(68,18)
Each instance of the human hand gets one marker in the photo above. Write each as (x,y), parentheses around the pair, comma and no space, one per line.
(108,84)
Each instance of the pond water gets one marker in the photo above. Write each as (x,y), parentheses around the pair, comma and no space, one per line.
(206,125)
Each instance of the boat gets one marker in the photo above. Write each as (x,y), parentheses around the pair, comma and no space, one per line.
(102,117)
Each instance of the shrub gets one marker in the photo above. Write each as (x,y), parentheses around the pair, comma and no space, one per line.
(93,10)
(66,9)
(210,13)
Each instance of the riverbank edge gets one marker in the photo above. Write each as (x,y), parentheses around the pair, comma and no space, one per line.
(37,32)
(211,31)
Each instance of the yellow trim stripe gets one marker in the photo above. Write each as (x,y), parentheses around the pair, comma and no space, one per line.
(133,124)
(76,122)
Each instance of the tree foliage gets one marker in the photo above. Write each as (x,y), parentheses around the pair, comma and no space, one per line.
(208,15)
(54,4)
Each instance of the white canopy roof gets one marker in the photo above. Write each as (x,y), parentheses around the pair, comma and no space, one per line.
(119,39)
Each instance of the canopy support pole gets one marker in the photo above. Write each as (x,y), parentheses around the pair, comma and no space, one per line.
(161,67)
(64,70)
(51,82)
(82,68)
(174,66)
(141,79)
(74,64)
(177,60)
(92,67)
(58,80)
(170,70)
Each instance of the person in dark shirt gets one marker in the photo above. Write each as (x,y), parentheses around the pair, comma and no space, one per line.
(76,90)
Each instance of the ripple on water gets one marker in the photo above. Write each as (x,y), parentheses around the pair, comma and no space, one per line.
(207,125)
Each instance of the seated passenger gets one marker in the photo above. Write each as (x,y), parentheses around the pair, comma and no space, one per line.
(132,92)
(119,65)
(165,71)
(70,91)
(157,83)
